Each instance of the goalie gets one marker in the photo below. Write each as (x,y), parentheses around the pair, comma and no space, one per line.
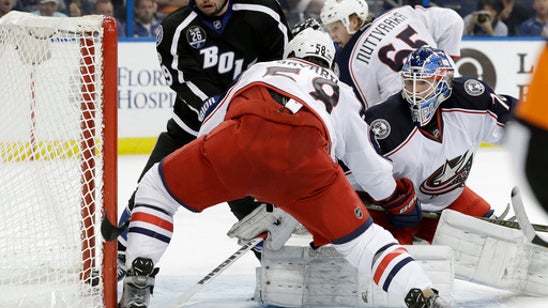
(431,131)
(284,122)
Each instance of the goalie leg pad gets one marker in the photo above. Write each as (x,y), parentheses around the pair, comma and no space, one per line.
(296,276)
(493,255)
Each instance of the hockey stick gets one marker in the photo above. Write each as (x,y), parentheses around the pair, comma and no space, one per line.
(436,215)
(109,231)
(524,221)
(181,300)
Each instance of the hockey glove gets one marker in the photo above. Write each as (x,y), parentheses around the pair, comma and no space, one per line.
(278,224)
(403,208)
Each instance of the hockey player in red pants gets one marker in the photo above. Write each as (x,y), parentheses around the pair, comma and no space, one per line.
(285,123)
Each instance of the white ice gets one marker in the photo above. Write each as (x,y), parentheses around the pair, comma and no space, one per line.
(200,243)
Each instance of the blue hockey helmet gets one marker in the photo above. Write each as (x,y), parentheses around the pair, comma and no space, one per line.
(427,75)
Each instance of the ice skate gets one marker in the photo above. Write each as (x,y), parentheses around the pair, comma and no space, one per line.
(427,298)
(138,284)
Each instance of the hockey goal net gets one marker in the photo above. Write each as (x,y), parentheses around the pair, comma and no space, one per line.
(58,129)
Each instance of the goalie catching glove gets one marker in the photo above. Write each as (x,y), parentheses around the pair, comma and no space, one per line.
(403,207)
(278,224)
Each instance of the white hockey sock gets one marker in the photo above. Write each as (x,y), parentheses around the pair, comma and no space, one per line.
(151,225)
(149,233)
(377,253)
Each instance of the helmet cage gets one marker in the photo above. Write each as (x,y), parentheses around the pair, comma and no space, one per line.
(431,67)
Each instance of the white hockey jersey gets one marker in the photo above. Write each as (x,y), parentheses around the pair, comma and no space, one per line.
(370,62)
(318,89)
(438,158)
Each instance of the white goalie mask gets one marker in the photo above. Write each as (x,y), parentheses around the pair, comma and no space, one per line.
(312,45)
(427,75)
(341,10)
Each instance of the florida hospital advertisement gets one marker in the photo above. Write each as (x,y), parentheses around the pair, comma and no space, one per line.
(145,101)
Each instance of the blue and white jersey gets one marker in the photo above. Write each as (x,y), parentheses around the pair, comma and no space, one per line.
(370,62)
(438,157)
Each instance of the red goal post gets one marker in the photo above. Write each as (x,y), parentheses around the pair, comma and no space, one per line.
(58,160)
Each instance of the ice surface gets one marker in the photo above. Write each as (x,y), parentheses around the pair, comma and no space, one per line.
(200,243)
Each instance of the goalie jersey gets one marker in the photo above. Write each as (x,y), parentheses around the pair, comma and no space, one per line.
(200,56)
(370,62)
(438,157)
(319,90)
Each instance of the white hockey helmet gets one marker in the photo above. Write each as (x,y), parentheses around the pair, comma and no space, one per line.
(341,10)
(432,67)
(312,45)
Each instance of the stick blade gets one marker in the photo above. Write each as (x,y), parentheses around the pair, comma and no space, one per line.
(109,231)
(523,219)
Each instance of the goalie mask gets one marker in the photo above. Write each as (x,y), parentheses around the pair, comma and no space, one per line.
(341,10)
(427,76)
(312,45)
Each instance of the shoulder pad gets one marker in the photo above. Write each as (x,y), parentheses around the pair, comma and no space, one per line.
(389,123)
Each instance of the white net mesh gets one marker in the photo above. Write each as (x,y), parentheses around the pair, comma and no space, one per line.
(51,161)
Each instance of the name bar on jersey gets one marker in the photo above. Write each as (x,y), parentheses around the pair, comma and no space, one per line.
(386,24)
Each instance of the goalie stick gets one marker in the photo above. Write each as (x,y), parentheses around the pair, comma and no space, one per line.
(523,220)
(181,300)
(436,215)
